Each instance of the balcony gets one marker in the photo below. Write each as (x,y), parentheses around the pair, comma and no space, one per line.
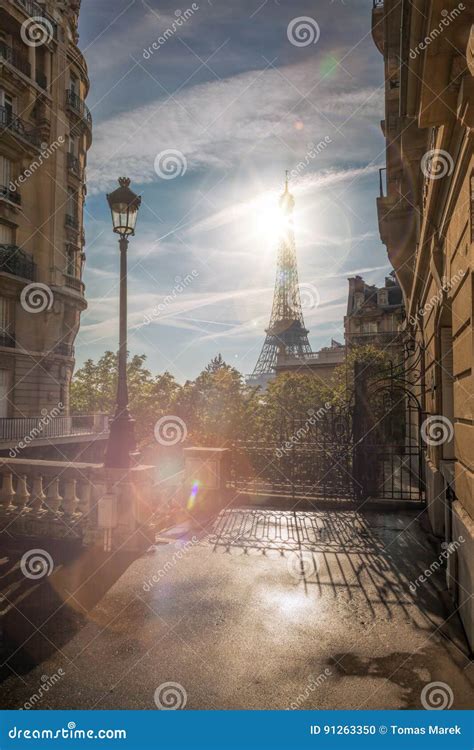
(72,222)
(73,283)
(15,58)
(63,349)
(34,10)
(7,339)
(53,427)
(74,165)
(378,24)
(17,262)
(12,196)
(79,107)
(11,123)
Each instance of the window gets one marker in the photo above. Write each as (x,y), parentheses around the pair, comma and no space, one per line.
(7,334)
(5,171)
(7,103)
(74,85)
(70,260)
(6,234)
(369,327)
(71,205)
(73,146)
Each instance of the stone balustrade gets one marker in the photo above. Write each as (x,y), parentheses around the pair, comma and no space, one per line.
(99,506)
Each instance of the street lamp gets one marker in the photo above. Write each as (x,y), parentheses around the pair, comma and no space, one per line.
(124,205)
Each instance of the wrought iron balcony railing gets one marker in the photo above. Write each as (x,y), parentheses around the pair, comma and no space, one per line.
(73,283)
(14,124)
(44,427)
(15,58)
(16,261)
(10,195)
(79,106)
(34,10)
(7,339)
(65,350)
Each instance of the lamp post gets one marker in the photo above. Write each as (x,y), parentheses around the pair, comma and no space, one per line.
(124,205)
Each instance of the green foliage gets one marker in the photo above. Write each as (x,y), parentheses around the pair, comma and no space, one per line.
(217,407)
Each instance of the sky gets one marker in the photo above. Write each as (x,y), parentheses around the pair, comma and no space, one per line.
(204,106)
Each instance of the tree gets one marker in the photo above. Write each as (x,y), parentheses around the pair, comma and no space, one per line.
(93,390)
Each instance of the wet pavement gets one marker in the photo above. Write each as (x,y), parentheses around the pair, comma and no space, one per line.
(267,609)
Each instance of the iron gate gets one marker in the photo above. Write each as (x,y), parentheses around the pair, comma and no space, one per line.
(309,456)
(367,448)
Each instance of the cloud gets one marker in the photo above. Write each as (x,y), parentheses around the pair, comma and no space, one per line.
(220,123)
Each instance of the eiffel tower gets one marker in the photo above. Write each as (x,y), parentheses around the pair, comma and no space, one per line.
(286,332)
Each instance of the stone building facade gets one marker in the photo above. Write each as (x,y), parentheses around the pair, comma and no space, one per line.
(426,220)
(321,364)
(375,315)
(45,131)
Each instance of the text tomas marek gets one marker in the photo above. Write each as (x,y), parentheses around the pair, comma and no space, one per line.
(456,729)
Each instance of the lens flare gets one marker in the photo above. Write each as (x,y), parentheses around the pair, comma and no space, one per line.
(193,495)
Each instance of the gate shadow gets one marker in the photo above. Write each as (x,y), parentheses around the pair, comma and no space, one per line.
(367,562)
